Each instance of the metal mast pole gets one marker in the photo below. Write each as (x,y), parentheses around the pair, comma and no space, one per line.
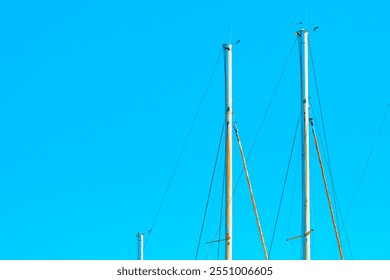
(140,246)
(303,46)
(229,174)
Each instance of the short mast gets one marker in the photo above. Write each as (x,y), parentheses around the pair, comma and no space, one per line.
(140,246)
(303,48)
(228,153)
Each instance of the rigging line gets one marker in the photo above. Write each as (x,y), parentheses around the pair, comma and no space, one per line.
(366,164)
(185,142)
(321,114)
(221,211)
(291,251)
(131,248)
(220,217)
(219,230)
(343,228)
(271,100)
(266,111)
(284,186)
(208,197)
(336,199)
(327,190)
(251,192)
(321,141)
(327,154)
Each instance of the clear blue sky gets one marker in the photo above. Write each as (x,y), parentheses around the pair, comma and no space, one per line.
(97,98)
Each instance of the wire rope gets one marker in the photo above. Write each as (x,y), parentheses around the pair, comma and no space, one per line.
(208,196)
(366,164)
(251,192)
(266,112)
(271,100)
(327,191)
(184,145)
(284,187)
(221,212)
(327,154)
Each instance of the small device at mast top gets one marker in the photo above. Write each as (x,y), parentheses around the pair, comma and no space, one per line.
(227,46)
(300,32)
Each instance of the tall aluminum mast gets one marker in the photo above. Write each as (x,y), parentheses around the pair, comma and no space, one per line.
(228,152)
(303,48)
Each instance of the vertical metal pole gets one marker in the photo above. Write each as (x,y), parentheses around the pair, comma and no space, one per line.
(229,174)
(303,40)
(140,246)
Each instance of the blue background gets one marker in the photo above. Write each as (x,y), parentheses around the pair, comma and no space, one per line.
(97,99)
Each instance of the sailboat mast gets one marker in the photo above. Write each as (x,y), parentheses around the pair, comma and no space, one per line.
(303,46)
(140,246)
(228,151)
